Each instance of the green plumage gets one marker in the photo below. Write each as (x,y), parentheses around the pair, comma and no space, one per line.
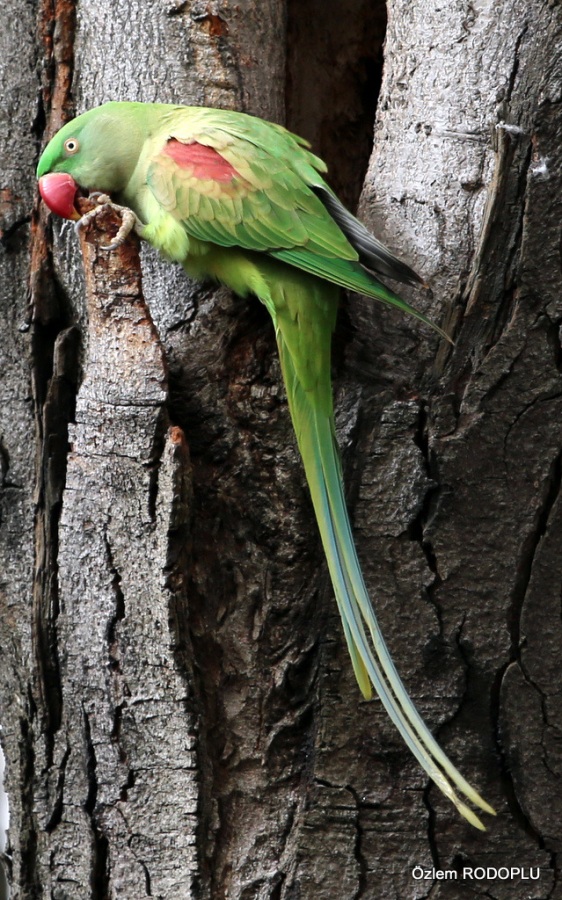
(243,201)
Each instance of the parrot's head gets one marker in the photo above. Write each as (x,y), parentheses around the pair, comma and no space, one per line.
(97,151)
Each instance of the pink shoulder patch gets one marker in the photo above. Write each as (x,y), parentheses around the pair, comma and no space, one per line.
(203,162)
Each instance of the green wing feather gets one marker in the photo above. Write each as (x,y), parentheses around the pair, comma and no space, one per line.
(277,204)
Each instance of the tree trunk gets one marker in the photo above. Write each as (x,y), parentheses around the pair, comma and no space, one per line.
(179,713)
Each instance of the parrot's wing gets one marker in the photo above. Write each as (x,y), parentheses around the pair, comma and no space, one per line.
(240,189)
(259,188)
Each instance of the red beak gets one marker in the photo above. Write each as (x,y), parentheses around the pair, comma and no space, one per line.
(58,190)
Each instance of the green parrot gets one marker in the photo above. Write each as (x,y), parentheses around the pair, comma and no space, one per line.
(243,201)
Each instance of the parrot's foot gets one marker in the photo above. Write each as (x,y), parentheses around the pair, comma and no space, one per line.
(130,221)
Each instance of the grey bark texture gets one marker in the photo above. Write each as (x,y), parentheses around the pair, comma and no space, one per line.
(179,714)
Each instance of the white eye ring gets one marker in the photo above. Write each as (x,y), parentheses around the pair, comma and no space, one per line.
(71,146)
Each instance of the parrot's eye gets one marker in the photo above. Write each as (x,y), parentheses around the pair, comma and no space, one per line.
(71,146)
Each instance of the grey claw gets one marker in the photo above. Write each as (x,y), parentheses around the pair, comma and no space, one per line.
(130,221)
(99,197)
(86,218)
(129,224)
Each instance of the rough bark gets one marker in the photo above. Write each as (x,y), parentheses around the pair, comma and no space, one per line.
(124,745)
(18,447)
(482,201)
(179,714)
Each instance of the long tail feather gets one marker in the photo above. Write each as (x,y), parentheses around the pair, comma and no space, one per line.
(372,664)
